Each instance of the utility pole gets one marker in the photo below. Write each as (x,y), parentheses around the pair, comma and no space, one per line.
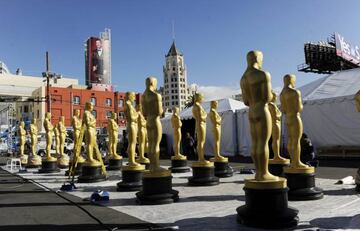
(48,75)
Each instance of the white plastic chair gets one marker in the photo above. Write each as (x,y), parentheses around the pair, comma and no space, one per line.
(13,163)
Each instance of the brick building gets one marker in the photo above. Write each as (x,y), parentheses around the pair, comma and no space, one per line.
(65,100)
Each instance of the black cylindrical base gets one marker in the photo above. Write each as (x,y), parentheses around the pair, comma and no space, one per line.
(33,166)
(131,181)
(223,169)
(203,176)
(302,187)
(90,174)
(49,167)
(63,166)
(267,208)
(157,190)
(277,169)
(357,188)
(78,169)
(114,164)
(179,166)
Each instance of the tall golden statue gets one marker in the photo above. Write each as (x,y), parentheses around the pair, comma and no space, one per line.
(215,119)
(200,127)
(57,139)
(176,124)
(142,137)
(152,110)
(34,160)
(90,135)
(132,128)
(291,106)
(113,129)
(22,139)
(276,131)
(49,136)
(64,159)
(76,124)
(256,89)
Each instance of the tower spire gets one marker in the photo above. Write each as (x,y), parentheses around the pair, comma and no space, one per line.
(173,30)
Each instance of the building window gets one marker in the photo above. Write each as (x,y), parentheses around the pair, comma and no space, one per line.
(121,103)
(26,109)
(93,100)
(108,114)
(76,100)
(121,115)
(94,113)
(108,102)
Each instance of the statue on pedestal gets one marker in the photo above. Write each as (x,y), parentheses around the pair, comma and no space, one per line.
(132,129)
(222,167)
(34,160)
(276,130)
(93,169)
(57,139)
(76,125)
(200,128)
(301,177)
(90,135)
(49,129)
(152,111)
(266,203)
(256,90)
(291,106)
(215,119)
(64,159)
(176,125)
(113,129)
(157,182)
(142,137)
(22,139)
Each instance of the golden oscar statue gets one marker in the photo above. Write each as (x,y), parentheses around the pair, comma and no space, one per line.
(34,160)
(301,177)
(49,130)
(57,139)
(63,161)
(22,139)
(76,125)
(277,163)
(93,169)
(132,173)
(222,168)
(357,177)
(202,166)
(132,129)
(49,163)
(156,175)
(176,125)
(200,128)
(266,194)
(142,138)
(115,160)
(215,119)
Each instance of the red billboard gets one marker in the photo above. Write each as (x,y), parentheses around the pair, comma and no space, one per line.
(98,59)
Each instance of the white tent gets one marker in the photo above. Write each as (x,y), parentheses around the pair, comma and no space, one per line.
(329,115)
(226,109)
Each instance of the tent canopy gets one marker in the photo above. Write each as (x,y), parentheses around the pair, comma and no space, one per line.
(224,105)
(343,83)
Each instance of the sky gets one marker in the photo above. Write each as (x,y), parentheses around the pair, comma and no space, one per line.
(213,35)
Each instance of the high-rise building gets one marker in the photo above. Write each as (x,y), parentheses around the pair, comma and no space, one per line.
(175,89)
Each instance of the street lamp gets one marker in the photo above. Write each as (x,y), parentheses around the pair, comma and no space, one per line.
(49,75)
